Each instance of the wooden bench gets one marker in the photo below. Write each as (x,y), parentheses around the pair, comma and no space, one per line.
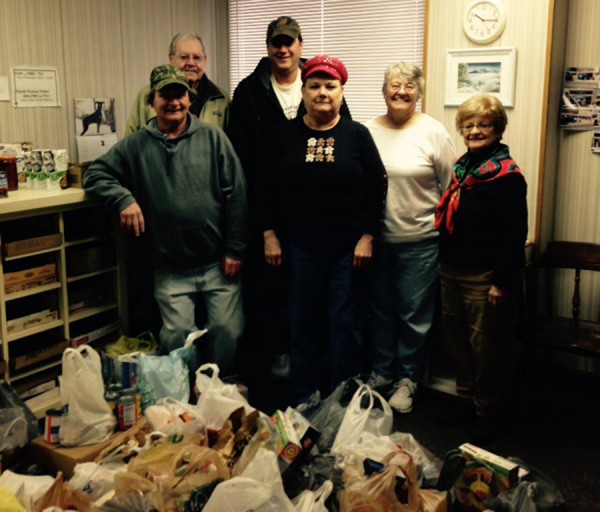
(568,334)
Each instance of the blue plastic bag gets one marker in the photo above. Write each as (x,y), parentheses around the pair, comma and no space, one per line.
(168,375)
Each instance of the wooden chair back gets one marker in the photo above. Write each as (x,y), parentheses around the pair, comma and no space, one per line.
(569,334)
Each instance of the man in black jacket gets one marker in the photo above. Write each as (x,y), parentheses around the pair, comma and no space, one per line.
(269,96)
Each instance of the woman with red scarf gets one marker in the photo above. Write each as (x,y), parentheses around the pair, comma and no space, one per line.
(482,219)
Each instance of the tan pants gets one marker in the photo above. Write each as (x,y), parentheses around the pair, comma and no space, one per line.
(481,337)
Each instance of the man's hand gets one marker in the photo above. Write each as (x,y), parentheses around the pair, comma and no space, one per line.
(363,252)
(231,267)
(132,219)
(272,248)
(496,296)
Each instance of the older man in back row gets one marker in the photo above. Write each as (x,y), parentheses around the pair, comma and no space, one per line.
(209,103)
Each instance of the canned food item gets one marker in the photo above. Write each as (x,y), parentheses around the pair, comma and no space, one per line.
(126,411)
(52,426)
(135,393)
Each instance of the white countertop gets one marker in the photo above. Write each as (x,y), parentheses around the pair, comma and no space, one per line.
(23,200)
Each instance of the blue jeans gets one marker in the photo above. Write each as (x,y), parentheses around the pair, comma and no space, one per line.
(404,289)
(324,294)
(177,293)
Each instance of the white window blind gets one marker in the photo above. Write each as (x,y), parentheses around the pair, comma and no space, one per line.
(365,35)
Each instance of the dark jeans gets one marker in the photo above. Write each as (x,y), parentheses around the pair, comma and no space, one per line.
(325,291)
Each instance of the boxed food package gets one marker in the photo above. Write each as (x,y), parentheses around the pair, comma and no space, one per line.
(28,321)
(288,442)
(29,278)
(75,174)
(28,245)
(38,356)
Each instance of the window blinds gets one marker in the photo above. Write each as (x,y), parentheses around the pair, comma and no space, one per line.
(365,35)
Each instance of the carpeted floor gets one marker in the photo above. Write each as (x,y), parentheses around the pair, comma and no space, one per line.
(552,427)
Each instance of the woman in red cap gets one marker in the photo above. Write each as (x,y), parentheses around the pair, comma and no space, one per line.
(321,193)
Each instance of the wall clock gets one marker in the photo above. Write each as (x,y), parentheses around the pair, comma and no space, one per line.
(484,20)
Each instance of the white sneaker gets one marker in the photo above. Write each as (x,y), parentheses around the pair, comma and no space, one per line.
(281,367)
(402,399)
(378,382)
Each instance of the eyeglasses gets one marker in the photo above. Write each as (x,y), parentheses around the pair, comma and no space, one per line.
(408,86)
(482,127)
(198,59)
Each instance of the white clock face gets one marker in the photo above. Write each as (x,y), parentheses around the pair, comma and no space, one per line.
(484,21)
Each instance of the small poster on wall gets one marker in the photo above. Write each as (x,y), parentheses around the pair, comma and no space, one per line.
(580,101)
(94,116)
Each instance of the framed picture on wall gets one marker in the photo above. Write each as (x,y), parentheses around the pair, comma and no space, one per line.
(472,71)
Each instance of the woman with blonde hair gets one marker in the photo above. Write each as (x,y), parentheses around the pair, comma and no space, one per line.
(482,219)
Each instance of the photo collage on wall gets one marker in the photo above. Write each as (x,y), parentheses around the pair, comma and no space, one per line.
(580,102)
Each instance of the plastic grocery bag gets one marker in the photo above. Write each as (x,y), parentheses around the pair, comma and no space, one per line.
(378,491)
(328,413)
(96,479)
(13,428)
(313,501)
(363,415)
(9,398)
(258,488)
(123,368)
(217,400)
(89,418)
(27,488)
(170,417)
(166,376)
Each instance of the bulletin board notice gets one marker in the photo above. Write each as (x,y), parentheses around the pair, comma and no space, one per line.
(35,86)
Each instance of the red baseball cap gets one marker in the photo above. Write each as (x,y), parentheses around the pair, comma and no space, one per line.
(329,66)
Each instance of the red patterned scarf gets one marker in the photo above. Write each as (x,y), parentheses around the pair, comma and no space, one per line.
(498,165)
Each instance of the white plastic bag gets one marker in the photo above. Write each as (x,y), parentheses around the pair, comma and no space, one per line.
(367,418)
(27,488)
(259,488)
(89,419)
(367,446)
(96,479)
(217,400)
(313,501)
(170,417)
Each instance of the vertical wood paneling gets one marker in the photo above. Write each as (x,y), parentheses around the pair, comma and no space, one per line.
(526,29)
(93,56)
(576,204)
(146,33)
(31,34)
(101,49)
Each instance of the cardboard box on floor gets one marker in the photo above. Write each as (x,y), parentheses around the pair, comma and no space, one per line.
(59,458)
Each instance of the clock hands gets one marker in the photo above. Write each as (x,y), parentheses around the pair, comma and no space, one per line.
(484,19)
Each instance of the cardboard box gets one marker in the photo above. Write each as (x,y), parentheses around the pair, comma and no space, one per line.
(75,174)
(307,434)
(29,321)
(58,458)
(506,470)
(38,356)
(29,278)
(288,443)
(29,245)
(90,259)
(96,334)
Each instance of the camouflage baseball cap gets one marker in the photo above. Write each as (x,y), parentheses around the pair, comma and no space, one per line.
(283,26)
(162,76)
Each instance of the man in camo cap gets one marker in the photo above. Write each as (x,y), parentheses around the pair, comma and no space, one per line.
(178,183)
